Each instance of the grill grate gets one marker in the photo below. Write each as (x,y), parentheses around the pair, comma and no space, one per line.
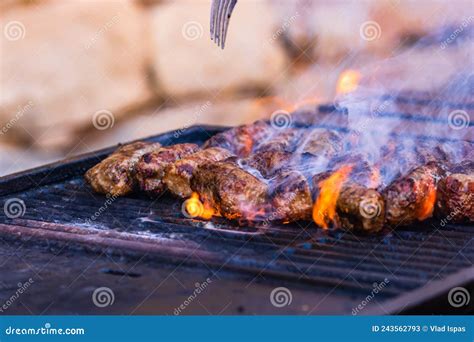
(60,208)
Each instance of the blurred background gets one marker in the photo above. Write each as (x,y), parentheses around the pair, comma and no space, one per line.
(77,75)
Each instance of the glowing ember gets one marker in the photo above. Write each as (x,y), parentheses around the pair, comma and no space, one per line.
(348,81)
(193,207)
(324,210)
(426,208)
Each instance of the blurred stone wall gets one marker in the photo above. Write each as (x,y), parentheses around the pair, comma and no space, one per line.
(80,75)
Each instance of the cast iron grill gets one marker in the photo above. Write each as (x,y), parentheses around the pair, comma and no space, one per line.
(61,208)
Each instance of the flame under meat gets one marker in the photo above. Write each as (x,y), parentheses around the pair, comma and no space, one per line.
(195,208)
(324,210)
(427,206)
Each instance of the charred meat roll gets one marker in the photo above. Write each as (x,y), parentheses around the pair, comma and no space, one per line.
(268,162)
(240,140)
(279,140)
(321,143)
(291,196)
(363,172)
(178,174)
(410,154)
(115,175)
(151,166)
(412,197)
(360,209)
(455,194)
(229,190)
(346,204)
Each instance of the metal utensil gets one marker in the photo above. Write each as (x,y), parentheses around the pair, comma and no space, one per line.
(221,10)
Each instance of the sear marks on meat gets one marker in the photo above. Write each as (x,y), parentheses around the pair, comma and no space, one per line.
(360,209)
(151,166)
(291,196)
(229,190)
(240,140)
(178,174)
(115,175)
(455,194)
(411,197)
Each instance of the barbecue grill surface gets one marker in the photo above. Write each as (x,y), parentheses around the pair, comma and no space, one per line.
(151,255)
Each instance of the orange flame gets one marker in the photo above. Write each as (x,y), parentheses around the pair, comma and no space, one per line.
(348,81)
(324,210)
(195,208)
(427,206)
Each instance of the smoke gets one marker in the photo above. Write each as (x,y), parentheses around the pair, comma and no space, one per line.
(418,102)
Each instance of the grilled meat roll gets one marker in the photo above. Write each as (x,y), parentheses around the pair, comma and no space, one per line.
(178,174)
(229,190)
(291,196)
(354,207)
(279,140)
(321,143)
(360,209)
(455,194)
(412,197)
(402,157)
(115,175)
(267,162)
(240,140)
(151,166)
